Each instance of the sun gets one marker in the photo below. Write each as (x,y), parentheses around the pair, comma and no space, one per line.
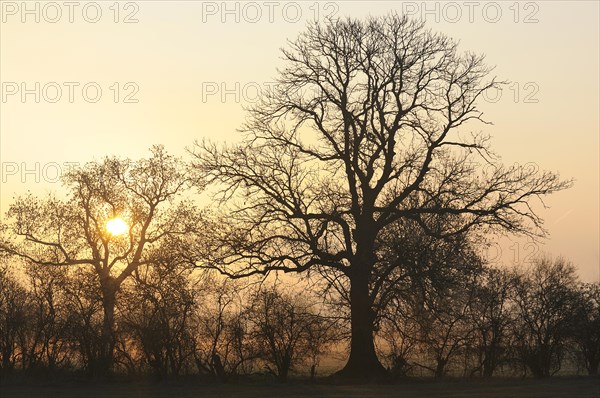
(116,226)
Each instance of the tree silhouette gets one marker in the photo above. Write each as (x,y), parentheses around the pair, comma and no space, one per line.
(158,314)
(422,290)
(44,338)
(84,312)
(586,326)
(287,330)
(72,232)
(225,347)
(492,319)
(13,318)
(366,126)
(546,299)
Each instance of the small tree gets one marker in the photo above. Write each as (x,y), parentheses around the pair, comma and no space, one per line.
(45,339)
(158,311)
(224,345)
(398,329)
(586,326)
(423,287)
(13,318)
(445,326)
(492,318)
(287,331)
(83,302)
(545,302)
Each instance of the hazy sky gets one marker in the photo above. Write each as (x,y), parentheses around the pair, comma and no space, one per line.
(182,70)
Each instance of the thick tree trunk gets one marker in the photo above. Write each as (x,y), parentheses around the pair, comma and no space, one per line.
(440,369)
(489,363)
(592,363)
(283,374)
(363,364)
(105,361)
(488,370)
(218,367)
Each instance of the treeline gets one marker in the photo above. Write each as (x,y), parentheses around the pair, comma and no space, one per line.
(170,323)
(173,322)
(533,322)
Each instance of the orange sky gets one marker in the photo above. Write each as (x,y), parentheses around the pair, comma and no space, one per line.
(192,65)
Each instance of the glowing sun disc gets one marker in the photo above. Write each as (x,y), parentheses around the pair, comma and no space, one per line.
(117,226)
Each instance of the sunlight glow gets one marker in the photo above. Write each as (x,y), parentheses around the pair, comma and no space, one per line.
(117,226)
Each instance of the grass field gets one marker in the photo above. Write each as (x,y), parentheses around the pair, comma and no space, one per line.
(557,387)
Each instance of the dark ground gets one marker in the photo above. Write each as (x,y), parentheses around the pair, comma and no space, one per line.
(571,387)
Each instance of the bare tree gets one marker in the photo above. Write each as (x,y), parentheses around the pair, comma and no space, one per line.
(44,337)
(157,311)
(367,125)
(424,286)
(491,313)
(13,317)
(545,303)
(586,326)
(83,302)
(398,330)
(445,327)
(224,345)
(73,232)
(287,330)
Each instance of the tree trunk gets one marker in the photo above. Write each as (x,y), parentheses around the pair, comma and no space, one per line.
(440,369)
(593,365)
(105,361)
(313,373)
(489,363)
(363,364)
(283,374)
(488,370)
(219,370)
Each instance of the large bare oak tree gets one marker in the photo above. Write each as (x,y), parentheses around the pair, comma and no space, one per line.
(370,123)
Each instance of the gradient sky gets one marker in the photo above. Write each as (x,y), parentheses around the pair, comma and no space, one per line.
(179,50)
